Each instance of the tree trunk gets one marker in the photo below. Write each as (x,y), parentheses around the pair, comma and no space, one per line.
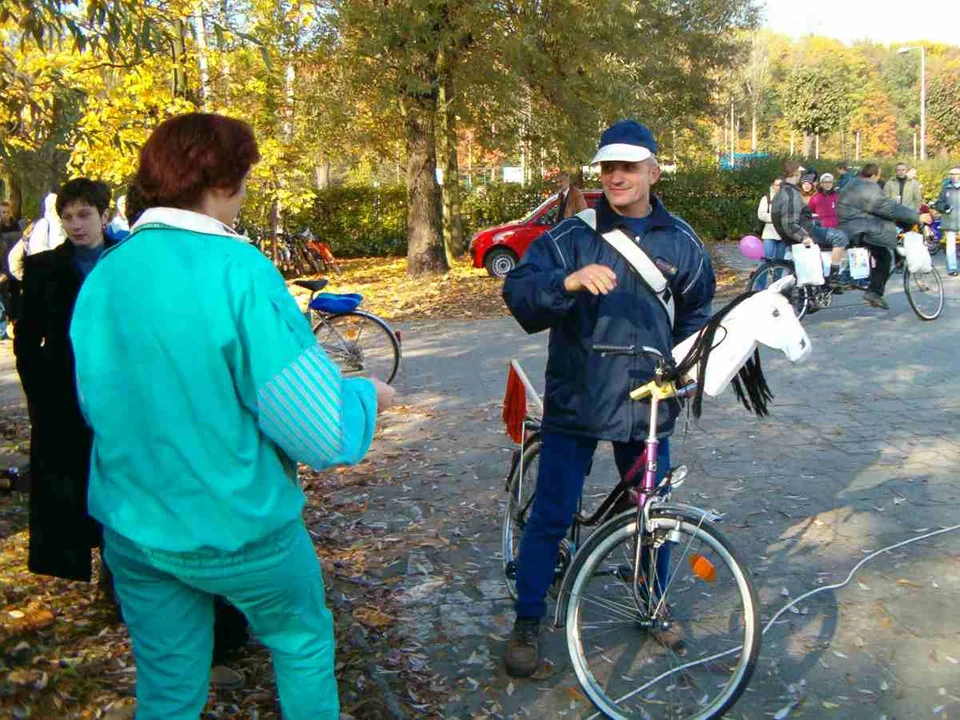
(16,197)
(201,34)
(753,129)
(275,231)
(179,42)
(452,220)
(425,253)
(807,144)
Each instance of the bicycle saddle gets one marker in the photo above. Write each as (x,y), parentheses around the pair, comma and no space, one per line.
(312,285)
(335,303)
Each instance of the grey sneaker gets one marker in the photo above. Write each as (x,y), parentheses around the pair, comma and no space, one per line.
(523,648)
(876,300)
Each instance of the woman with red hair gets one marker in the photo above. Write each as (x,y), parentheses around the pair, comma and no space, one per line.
(204,387)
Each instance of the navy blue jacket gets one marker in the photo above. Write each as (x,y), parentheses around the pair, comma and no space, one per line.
(587,394)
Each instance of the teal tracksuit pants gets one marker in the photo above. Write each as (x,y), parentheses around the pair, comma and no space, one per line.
(167,601)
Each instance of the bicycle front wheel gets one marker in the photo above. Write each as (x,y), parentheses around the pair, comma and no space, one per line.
(685,650)
(772,270)
(521,488)
(361,344)
(924,293)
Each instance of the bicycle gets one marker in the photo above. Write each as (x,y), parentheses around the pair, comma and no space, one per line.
(649,568)
(653,570)
(359,342)
(924,290)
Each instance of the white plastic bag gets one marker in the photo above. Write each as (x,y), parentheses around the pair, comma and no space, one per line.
(918,257)
(808,265)
(858,259)
(826,259)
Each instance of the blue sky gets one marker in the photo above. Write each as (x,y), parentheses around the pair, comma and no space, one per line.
(885,21)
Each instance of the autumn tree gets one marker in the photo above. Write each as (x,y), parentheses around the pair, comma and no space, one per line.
(815,100)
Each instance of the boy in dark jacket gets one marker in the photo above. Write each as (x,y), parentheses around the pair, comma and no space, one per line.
(572,282)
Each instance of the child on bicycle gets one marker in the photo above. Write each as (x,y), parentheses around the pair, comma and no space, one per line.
(572,282)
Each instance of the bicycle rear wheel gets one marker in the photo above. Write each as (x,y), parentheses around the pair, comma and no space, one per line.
(772,270)
(361,344)
(924,293)
(686,650)
(521,487)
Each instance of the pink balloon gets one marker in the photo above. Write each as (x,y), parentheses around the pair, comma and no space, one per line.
(751,247)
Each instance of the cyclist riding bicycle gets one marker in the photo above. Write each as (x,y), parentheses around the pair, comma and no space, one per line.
(794,220)
(576,281)
(869,216)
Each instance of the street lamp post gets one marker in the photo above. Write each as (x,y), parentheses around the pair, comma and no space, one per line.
(923,96)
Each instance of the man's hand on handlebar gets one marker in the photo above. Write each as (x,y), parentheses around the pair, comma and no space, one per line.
(596,279)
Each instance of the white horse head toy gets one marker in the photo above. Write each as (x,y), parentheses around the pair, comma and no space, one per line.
(764,318)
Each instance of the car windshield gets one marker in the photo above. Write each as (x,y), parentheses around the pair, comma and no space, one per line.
(538,209)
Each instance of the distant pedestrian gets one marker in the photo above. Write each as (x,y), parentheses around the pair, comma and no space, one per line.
(808,186)
(119,226)
(47,232)
(824,202)
(843,175)
(902,189)
(570,200)
(774,248)
(948,205)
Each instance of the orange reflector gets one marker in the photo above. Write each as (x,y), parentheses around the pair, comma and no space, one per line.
(703,568)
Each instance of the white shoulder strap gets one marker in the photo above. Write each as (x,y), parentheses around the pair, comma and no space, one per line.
(639,261)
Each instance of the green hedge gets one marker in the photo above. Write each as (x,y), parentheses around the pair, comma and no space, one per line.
(361,221)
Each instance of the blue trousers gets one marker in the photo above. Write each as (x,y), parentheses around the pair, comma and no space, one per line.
(565,462)
(167,600)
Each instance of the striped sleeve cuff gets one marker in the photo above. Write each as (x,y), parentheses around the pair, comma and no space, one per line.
(301,409)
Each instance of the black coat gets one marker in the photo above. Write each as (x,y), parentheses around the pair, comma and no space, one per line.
(61,532)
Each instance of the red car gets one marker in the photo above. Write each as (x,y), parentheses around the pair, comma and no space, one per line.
(500,248)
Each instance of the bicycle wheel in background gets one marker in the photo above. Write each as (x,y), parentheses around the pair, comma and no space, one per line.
(361,344)
(689,651)
(924,293)
(521,486)
(773,270)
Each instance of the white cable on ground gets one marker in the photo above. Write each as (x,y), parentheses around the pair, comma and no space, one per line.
(781,611)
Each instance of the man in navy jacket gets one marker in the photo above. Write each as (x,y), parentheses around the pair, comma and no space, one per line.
(572,282)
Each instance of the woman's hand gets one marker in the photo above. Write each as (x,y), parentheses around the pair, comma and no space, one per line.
(386,395)
(597,279)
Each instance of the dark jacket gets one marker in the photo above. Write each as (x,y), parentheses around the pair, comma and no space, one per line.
(587,394)
(866,212)
(949,200)
(792,218)
(61,532)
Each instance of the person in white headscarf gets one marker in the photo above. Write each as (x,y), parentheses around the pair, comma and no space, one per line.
(47,232)
(120,226)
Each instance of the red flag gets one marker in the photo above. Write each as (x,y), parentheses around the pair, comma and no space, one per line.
(515,406)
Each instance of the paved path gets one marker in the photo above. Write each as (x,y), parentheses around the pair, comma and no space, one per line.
(859,452)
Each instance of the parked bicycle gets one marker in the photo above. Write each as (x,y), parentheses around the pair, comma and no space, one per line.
(924,289)
(653,568)
(358,341)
